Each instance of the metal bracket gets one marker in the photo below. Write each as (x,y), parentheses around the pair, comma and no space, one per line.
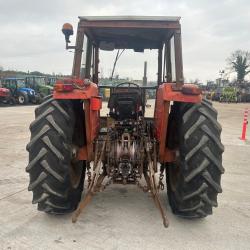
(151,182)
(95,184)
(69,46)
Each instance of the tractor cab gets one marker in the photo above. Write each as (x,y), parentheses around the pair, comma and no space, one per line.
(126,102)
(127,33)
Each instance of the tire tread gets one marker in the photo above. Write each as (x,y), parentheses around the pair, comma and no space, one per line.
(200,162)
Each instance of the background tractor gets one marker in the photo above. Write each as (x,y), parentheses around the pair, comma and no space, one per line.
(19,92)
(41,84)
(70,139)
(216,94)
(4,95)
(229,94)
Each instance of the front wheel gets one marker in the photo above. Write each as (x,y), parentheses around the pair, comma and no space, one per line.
(36,99)
(193,181)
(22,98)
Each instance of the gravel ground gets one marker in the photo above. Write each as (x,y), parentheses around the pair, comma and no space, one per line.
(122,217)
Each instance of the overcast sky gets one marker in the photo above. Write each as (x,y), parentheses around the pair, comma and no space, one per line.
(31,37)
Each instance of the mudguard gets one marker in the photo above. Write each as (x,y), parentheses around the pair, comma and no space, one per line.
(91,105)
(166,93)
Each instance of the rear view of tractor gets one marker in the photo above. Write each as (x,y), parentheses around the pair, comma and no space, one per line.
(70,140)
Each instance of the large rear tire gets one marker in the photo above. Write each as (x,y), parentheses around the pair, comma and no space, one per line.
(56,179)
(193,181)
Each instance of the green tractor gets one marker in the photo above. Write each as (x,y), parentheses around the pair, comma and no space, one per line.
(40,84)
(229,94)
(51,80)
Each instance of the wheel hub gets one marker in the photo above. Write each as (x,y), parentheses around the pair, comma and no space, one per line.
(21,99)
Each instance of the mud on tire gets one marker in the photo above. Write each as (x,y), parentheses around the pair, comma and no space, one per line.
(193,181)
(50,158)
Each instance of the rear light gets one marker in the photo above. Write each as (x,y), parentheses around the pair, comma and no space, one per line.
(61,87)
(96,103)
(190,89)
(68,87)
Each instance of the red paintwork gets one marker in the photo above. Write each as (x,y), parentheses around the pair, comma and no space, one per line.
(166,94)
(160,112)
(169,94)
(91,105)
(92,125)
(96,103)
(4,92)
(86,91)
(82,154)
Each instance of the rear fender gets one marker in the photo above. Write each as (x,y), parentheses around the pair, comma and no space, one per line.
(89,95)
(166,93)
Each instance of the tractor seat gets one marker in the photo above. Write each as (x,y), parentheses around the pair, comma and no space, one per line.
(124,105)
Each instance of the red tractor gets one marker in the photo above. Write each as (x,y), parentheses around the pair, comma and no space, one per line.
(5,95)
(71,140)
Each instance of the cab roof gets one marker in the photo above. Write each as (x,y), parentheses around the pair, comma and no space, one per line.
(131,18)
(130,32)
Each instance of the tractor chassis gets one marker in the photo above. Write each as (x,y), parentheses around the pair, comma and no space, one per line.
(95,182)
(183,136)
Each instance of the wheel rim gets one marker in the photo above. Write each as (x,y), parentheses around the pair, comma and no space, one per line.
(21,99)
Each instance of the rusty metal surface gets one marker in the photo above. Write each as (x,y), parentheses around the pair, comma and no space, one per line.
(95,182)
(78,52)
(161,123)
(178,58)
(116,158)
(153,187)
(159,81)
(131,24)
(133,32)
(96,64)
(131,18)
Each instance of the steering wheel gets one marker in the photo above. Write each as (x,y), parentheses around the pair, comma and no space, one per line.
(127,83)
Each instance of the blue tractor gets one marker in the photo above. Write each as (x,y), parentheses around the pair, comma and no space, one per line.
(19,92)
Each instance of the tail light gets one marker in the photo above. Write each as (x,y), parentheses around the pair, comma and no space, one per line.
(62,87)
(190,89)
